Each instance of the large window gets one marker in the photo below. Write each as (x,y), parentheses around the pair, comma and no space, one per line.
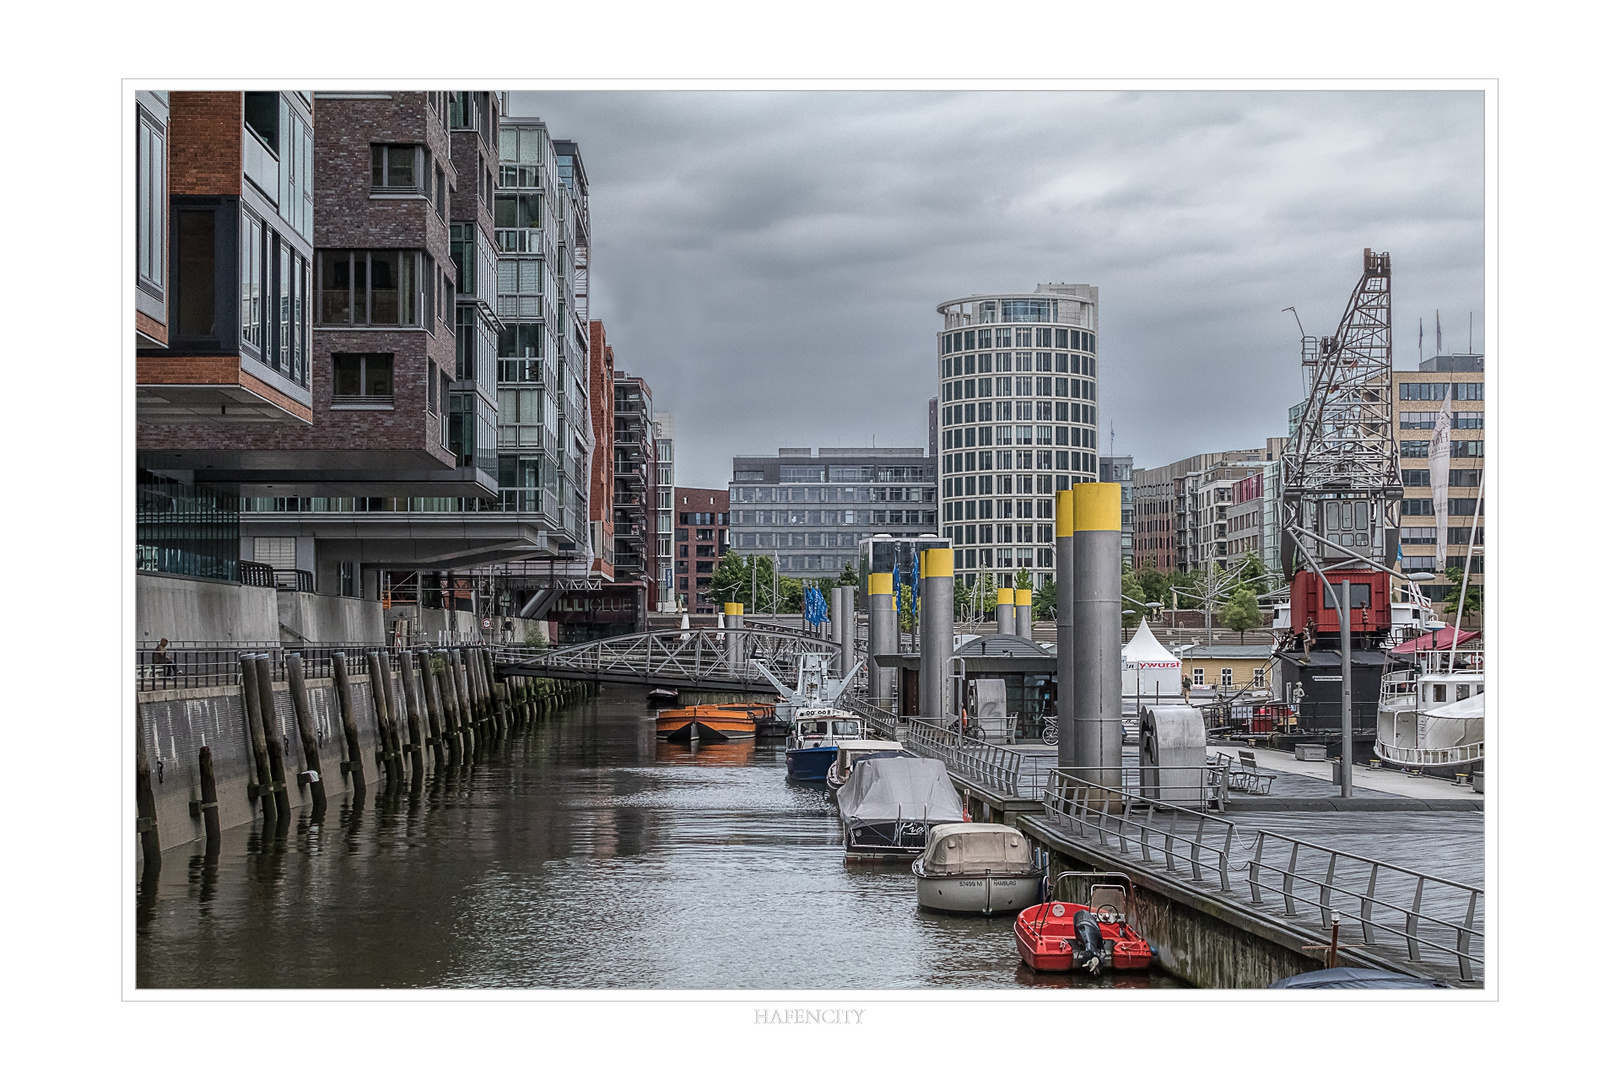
(518,288)
(1464,391)
(361,380)
(1423,391)
(1468,448)
(398,168)
(1414,448)
(372,288)
(151,201)
(252,282)
(194,303)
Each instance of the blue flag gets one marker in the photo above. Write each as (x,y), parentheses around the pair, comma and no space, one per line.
(914,584)
(897,585)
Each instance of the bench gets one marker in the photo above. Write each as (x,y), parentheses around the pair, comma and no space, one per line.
(1246,775)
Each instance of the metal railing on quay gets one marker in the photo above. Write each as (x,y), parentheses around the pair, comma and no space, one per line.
(696,654)
(879,721)
(1461,754)
(1349,883)
(1120,819)
(999,768)
(185,665)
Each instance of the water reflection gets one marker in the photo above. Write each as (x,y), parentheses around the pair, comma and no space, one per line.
(584,853)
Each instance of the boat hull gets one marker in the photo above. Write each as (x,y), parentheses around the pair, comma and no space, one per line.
(981,894)
(707,723)
(811,762)
(886,839)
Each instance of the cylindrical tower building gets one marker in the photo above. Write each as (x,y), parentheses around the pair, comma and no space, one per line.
(1017,424)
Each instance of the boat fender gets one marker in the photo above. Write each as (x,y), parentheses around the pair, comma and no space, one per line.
(1088,942)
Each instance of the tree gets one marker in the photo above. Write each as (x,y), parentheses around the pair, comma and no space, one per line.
(1252,573)
(1133,604)
(729,584)
(1454,575)
(848,576)
(1155,585)
(789,595)
(1046,601)
(1241,613)
(1023,579)
(907,623)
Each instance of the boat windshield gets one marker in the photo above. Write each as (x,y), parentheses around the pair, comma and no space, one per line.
(846,727)
(813,727)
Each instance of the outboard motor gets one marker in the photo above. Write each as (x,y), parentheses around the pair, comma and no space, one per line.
(1088,942)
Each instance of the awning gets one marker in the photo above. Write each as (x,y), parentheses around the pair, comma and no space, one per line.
(1435,639)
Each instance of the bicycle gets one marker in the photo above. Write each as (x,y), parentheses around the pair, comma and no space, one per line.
(1049,731)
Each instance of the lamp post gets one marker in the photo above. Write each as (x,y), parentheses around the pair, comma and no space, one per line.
(1154,607)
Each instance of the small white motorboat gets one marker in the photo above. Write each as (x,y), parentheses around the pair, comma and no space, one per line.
(975,867)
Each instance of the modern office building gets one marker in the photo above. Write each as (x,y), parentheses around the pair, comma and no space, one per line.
(1017,423)
(701,540)
(1181,509)
(1254,520)
(664,448)
(810,510)
(1118,470)
(224,229)
(1441,494)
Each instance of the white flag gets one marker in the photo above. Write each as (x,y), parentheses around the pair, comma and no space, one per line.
(1440,475)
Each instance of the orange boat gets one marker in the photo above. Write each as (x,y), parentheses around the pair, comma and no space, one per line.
(721,722)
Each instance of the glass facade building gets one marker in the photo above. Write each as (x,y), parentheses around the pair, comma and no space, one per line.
(811,511)
(1017,423)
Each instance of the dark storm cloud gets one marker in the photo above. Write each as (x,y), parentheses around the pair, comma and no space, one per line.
(771,262)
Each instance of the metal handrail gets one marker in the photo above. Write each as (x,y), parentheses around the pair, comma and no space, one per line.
(1108,811)
(1460,754)
(997,767)
(1365,902)
(194,665)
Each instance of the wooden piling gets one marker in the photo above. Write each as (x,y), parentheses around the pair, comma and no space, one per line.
(458,680)
(306,735)
(497,693)
(355,767)
(435,709)
(464,686)
(272,739)
(385,723)
(462,744)
(413,717)
(210,801)
(263,790)
(145,804)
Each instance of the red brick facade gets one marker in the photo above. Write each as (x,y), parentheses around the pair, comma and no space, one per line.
(691,579)
(205,143)
(601,402)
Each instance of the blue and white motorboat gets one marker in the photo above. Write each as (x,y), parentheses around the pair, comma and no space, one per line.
(815,737)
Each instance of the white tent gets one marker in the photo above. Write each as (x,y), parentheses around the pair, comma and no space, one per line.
(1159,671)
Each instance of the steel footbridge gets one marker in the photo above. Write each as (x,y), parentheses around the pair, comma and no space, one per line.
(696,659)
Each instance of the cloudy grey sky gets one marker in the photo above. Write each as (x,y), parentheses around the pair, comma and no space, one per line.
(771,262)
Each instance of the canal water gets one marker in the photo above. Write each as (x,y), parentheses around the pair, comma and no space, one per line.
(582,854)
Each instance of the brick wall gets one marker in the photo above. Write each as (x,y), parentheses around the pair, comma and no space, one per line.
(205,143)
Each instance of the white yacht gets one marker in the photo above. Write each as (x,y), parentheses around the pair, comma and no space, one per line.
(1433,714)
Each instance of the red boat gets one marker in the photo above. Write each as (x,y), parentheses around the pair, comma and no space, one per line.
(1089,937)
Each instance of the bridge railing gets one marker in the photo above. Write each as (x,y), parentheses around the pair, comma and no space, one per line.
(694,655)
(1310,875)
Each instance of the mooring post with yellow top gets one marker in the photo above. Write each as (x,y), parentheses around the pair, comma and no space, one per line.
(882,638)
(938,623)
(1068,740)
(1024,617)
(734,637)
(1006,620)
(1096,633)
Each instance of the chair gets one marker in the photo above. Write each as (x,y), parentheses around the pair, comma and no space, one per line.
(1254,781)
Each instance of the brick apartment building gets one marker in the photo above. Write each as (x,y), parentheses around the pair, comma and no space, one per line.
(701,539)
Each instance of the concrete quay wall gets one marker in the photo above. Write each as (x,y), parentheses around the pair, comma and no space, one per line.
(176,724)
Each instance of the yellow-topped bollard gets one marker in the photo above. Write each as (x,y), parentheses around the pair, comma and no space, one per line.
(1097,508)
